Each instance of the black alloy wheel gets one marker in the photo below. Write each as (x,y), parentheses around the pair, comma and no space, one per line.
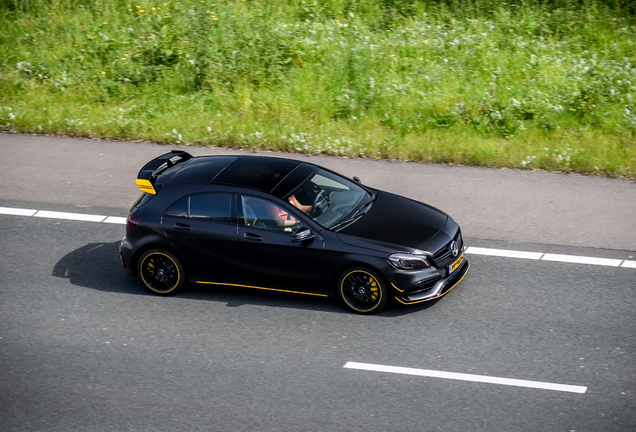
(161,272)
(362,290)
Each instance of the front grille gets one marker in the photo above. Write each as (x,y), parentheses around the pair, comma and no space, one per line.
(444,257)
(423,285)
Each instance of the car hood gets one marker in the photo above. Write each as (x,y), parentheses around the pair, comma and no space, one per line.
(394,224)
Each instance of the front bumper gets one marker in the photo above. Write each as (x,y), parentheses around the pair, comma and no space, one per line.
(432,289)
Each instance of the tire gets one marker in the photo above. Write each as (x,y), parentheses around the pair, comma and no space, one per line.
(362,290)
(161,272)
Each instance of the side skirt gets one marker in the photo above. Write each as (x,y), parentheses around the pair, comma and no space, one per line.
(260,288)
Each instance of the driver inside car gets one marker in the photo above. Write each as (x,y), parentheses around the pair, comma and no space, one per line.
(304,208)
(279,216)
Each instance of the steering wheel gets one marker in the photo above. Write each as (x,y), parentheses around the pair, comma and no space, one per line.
(321,203)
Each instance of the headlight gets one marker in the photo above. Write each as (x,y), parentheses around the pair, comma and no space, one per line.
(404,261)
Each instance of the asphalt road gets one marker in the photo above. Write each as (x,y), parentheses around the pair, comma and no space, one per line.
(83,347)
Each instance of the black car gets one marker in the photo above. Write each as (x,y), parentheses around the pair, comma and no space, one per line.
(284,225)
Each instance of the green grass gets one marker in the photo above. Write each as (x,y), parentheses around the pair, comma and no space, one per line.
(529,84)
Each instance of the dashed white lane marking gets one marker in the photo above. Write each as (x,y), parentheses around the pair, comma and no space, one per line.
(574,259)
(582,260)
(115,220)
(62,215)
(471,250)
(466,377)
(17,211)
(504,253)
(70,216)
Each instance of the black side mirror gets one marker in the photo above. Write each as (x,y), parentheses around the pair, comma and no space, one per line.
(302,234)
(356,179)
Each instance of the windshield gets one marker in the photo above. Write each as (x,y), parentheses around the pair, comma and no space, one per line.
(328,198)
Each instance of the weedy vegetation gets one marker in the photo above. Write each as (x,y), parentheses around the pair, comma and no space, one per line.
(529,84)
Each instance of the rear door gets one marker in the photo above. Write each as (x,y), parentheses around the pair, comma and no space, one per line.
(203,230)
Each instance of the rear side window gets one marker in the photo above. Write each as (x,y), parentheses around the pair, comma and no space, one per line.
(213,207)
(180,208)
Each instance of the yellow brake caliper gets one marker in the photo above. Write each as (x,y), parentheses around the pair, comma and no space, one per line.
(374,288)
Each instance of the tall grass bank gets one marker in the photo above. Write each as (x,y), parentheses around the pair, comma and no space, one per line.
(529,84)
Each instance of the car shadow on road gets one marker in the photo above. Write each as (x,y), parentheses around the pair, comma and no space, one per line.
(97,266)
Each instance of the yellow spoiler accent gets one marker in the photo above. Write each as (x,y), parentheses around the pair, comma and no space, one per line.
(146,186)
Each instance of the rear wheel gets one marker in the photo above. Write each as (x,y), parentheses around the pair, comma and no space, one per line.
(161,272)
(362,291)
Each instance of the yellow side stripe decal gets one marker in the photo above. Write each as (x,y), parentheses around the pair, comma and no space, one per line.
(441,295)
(262,288)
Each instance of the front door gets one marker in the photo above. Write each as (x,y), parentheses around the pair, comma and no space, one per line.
(270,256)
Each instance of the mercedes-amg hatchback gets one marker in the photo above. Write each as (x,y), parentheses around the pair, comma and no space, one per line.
(285,225)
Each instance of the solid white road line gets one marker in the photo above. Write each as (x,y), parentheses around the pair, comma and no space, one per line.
(629,264)
(466,377)
(504,253)
(582,260)
(69,216)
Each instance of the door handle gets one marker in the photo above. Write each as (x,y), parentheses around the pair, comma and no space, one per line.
(182,227)
(253,237)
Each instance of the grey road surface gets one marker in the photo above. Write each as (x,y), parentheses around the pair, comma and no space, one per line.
(83,347)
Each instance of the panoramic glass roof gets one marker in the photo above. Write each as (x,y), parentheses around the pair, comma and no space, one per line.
(256,172)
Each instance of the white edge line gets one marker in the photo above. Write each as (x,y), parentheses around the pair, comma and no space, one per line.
(17,211)
(69,216)
(629,264)
(466,377)
(582,260)
(115,220)
(504,253)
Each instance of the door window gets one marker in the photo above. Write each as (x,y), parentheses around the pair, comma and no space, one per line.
(212,207)
(261,213)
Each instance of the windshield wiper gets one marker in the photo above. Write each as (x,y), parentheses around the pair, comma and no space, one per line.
(357,215)
(362,208)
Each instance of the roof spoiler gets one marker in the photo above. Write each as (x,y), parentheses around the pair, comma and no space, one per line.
(149,173)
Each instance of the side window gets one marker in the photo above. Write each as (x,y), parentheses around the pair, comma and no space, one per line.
(261,213)
(180,208)
(213,207)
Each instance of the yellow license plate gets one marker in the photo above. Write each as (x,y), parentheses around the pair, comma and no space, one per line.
(456,264)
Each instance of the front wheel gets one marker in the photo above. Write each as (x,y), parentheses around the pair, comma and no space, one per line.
(161,272)
(362,291)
